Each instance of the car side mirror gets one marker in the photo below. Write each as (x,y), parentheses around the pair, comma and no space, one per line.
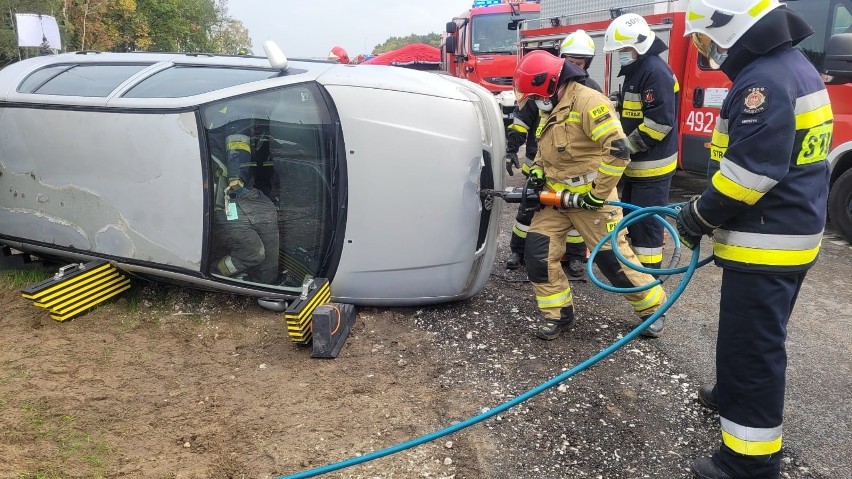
(450,44)
(452,27)
(838,57)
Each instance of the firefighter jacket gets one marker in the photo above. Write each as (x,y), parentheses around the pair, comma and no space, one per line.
(531,118)
(769,189)
(582,146)
(648,110)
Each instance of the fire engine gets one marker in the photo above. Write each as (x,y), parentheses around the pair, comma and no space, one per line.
(480,45)
(702,88)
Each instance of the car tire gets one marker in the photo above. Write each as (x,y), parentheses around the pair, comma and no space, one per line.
(840,205)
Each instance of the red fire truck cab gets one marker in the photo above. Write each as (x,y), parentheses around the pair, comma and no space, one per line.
(480,46)
(702,88)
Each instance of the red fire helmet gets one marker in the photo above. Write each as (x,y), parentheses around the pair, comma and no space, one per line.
(537,74)
(338,54)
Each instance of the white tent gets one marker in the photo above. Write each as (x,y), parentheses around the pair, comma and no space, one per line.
(34,29)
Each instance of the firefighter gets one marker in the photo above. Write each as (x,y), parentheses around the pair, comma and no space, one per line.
(245,221)
(648,109)
(582,151)
(338,54)
(765,207)
(579,49)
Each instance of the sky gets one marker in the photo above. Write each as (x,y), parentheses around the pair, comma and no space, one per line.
(310,28)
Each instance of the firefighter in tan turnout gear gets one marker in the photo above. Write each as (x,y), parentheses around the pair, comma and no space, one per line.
(582,151)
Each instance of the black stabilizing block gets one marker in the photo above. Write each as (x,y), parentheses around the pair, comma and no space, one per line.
(331,324)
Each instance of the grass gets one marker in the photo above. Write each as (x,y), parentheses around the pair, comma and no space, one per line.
(21,278)
(73,445)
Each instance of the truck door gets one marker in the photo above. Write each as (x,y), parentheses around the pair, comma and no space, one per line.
(702,91)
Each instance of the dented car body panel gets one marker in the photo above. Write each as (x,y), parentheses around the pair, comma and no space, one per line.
(367,175)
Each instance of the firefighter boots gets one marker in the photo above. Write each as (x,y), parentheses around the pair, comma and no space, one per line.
(705,468)
(576,268)
(551,329)
(656,328)
(707,396)
(514,261)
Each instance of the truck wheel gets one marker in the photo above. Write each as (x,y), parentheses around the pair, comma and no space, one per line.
(840,205)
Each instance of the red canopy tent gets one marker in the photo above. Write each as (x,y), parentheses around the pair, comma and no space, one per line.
(415,55)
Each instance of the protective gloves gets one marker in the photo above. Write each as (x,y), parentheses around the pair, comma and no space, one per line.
(690,225)
(590,202)
(512,162)
(536,177)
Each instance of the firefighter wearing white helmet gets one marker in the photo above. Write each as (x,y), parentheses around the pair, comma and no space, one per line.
(765,207)
(648,109)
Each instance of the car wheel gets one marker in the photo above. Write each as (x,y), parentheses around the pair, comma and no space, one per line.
(840,205)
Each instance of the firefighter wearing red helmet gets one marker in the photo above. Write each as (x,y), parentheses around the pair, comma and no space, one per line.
(338,54)
(582,150)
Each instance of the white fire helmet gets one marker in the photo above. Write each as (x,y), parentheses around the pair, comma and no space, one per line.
(725,21)
(629,30)
(578,44)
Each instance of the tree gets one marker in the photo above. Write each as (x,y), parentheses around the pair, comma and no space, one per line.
(129,25)
(394,43)
(9,51)
(229,36)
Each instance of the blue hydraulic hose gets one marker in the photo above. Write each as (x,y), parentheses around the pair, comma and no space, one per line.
(688,270)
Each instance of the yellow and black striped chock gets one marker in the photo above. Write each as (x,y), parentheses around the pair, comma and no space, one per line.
(77,288)
(315,292)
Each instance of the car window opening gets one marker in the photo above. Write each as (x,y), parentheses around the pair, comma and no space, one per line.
(272,163)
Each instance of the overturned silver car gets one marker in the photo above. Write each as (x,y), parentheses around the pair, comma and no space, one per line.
(252,175)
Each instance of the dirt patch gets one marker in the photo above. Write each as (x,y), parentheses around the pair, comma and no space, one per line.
(169,382)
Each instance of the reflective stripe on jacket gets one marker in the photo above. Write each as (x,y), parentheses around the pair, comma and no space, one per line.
(769,186)
(577,143)
(649,117)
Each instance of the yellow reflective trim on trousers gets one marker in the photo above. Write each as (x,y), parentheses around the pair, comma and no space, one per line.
(574,239)
(603,129)
(557,300)
(525,169)
(651,172)
(519,128)
(238,145)
(767,257)
(760,7)
(649,258)
(751,448)
(651,132)
(734,190)
(808,120)
(653,298)
(519,232)
(611,170)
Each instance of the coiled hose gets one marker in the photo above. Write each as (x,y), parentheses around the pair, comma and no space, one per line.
(636,214)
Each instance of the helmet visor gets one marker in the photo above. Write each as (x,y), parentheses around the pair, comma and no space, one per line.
(521,98)
(702,42)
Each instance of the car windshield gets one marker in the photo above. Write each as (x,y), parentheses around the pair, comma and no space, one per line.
(272,161)
(491,34)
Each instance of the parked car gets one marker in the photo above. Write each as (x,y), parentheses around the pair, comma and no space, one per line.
(366,175)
